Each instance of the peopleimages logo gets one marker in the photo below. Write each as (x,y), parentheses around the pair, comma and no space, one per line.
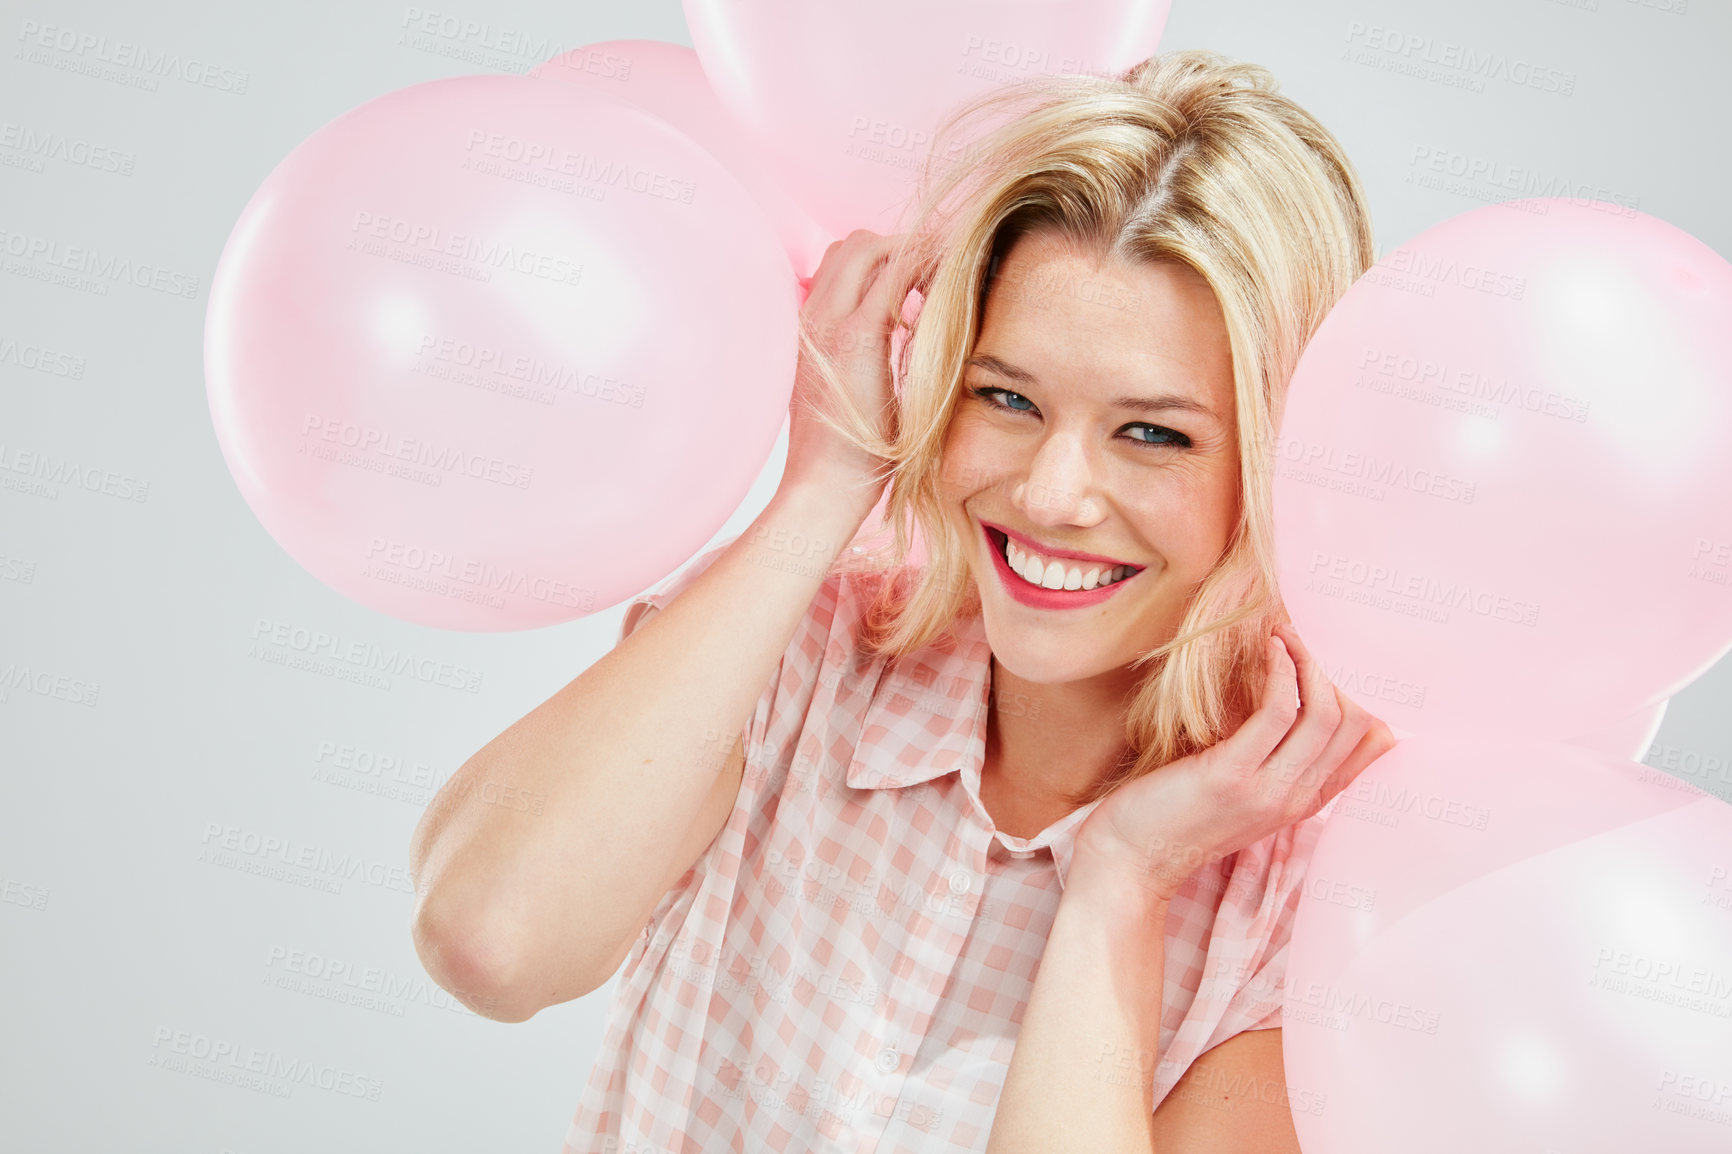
(1429,58)
(33,146)
(323,868)
(364,656)
(93,50)
(223,1060)
(37,358)
(1452,170)
(387,445)
(1447,270)
(449,34)
(1396,800)
(52,471)
(1341,1005)
(17,677)
(406,563)
(498,370)
(1469,383)
(102,267)
(352,983)
(556,160)
(1329,572)
(483,255)
(1375,475)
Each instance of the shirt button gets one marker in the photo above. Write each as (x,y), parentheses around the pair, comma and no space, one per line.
(888,1059)
(960,881)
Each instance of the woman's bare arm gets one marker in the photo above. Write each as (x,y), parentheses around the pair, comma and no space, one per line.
(521,908)
(1082,1076)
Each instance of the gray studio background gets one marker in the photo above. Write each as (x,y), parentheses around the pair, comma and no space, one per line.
(116,923)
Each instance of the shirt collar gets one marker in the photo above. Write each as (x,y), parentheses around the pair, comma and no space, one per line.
(927,717)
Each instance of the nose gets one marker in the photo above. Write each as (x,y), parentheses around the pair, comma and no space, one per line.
(1058,487)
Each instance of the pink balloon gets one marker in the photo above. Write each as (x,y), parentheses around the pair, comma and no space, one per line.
(1629,736)
(846,98)
(1518,946)
(667,80)
(486,353)
(1503,496)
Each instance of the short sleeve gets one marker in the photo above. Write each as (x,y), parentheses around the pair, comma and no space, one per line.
(1264,893)
(645,605)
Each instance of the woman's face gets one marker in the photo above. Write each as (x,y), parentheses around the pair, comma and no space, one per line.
(1097,418)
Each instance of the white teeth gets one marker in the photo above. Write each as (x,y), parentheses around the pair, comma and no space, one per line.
(1050,573)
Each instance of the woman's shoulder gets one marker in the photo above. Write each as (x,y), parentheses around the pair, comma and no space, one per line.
(1246,902)
(1234,927)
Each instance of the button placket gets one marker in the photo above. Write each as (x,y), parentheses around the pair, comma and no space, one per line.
(932,953)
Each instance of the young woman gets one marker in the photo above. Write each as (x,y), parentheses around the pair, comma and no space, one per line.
(999,850)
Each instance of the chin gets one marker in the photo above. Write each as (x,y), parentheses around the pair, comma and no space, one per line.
(1041,656)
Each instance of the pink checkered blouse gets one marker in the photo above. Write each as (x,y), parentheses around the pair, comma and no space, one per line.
(846,967)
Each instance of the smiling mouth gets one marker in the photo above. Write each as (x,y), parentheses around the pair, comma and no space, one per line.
(1057,574)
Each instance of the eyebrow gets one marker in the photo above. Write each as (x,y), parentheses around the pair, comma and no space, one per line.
(1161,402)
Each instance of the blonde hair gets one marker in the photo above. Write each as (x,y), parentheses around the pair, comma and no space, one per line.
(1188,157)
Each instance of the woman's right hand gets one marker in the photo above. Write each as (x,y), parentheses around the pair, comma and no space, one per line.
(850,316)
(1304,742)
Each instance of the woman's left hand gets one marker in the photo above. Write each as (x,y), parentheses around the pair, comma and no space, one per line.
(1304,743)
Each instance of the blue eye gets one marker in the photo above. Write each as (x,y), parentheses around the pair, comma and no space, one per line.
(1171,437)
(1179,438)
(987,394)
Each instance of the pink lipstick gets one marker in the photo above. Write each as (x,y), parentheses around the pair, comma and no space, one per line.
(1037,597)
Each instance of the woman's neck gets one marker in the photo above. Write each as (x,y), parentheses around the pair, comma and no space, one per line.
(1046,743)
